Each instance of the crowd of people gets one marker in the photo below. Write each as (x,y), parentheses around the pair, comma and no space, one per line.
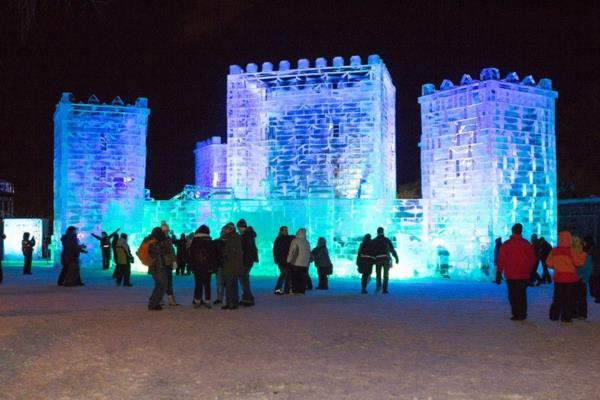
(231,255)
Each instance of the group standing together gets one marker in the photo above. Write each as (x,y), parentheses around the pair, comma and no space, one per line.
(574,264)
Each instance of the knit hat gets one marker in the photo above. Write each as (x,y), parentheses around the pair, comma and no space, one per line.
(242,223)
(203,229)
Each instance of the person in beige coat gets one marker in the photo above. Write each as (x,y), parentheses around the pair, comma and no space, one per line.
(298,258)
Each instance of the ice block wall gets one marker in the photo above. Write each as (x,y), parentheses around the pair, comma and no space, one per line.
(488,160)
(312,131)
(99,167)
(211,163)
(342,222)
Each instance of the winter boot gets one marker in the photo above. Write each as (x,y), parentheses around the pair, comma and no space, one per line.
(172,302)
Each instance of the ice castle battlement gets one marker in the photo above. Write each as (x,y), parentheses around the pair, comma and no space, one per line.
(303,64)
(490,75)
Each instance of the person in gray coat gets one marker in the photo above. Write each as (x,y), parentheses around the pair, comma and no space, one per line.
(298,258)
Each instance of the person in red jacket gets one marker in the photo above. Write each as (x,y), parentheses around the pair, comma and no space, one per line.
(515,260)
(564,261)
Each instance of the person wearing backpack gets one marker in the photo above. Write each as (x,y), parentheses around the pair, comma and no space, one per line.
(382,247)
(320,256)
(203,262)
(158,252)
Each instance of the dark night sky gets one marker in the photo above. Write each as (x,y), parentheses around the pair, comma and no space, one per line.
(177,54)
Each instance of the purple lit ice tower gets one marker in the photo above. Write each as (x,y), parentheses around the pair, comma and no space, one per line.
(488,160)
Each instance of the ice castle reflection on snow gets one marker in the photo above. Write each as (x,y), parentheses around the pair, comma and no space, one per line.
(314,146)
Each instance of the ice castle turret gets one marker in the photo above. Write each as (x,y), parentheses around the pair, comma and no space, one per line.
(312,131)
(211,163)
(99,165)
(488,160)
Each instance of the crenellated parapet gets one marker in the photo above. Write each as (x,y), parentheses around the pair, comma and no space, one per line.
(492,75)
(304,64)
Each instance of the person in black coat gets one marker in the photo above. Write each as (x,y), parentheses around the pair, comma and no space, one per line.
(383,247)
(181,247)
(105,246)
(281,247)
(545,249)
(250,256)
(364,261)
(69,274)
(203,262)
(27,246)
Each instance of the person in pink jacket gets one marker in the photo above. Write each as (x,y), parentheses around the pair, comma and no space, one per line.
(515,259)
(565,262)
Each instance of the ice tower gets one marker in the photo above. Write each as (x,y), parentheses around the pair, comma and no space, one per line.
(488,160)
(312,131)
(211,163)
(99,166)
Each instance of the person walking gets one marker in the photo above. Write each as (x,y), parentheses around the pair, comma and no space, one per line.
(123,258)
(70,274)
(320,256)
(203,262)
(595,277)
(219,248)
(545,249)
(298,258)
(104,240)
(365,258)
(565,262)
(233,260)
(383,247)
(250,256)
(515,260)
(27,246)
(281,247)
(535,278)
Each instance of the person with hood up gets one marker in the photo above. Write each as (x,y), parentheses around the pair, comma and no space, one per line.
(320,256)
(203,262)
(249,256)
(565,262)
(233,259)
(70,274)
(364,261)
(515,259)
(299,258)
(123,258)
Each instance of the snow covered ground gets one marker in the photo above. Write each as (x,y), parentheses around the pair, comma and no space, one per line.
(426,340)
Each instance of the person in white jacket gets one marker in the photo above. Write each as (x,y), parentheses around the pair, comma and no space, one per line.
(298,258)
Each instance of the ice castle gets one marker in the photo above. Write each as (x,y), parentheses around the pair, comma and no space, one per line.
(314,146)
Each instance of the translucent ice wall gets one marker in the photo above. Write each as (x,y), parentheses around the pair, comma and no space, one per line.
(488,160)
(99,167)
(211,163)
(311,131)
(342,222)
